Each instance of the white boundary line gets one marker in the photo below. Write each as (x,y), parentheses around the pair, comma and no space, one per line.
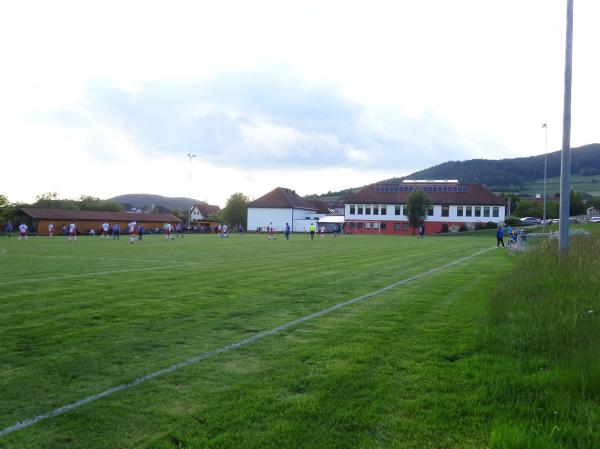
(245,342)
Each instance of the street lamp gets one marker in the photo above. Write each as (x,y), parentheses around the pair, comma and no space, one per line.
(190,157)
(545,126)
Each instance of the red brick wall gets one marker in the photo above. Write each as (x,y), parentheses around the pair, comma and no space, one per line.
(431,227)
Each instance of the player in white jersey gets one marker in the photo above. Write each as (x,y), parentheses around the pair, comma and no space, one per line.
(131,228)
(22,231)
(51,229)
(72,232)
(105,228)
(168,231)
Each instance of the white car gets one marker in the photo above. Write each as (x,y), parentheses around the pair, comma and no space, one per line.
(595,220)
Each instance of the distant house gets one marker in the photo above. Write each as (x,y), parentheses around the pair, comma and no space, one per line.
(201,211)
(281,206)
(87,219)
(380,208)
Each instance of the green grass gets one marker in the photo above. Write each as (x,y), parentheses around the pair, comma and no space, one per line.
(414,367)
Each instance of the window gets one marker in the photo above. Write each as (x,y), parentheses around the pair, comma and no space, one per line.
(352,225)
(368,210)
(430,211)
(383,210)
(469,210)
(352,209)
(359,225)
(375,210)
(383,225)
(405,226)
(445,211)
(367,225)
(486,211)
(459,211)
(360,209)
(376,225)
(478,211)
(396,226)
(496,211)
(398,210)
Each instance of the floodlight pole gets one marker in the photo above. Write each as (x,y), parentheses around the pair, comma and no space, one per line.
(190,156)
(565,154)
(545,126)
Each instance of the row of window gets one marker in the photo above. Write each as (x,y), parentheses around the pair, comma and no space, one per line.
(403,188)
(475,211)
(378,225)
(461,211)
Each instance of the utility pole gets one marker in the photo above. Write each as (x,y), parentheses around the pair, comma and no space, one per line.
(565,154)
(545,126)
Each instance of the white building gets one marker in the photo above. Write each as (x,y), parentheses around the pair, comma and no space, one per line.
(202,211)
(281,206)
(380,208)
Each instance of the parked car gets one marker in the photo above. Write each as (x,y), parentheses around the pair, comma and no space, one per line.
(595,220)
(529,221)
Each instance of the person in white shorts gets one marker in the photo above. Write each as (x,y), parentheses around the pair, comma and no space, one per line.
(72,232)
(131,228)
(23,231)
(51,229)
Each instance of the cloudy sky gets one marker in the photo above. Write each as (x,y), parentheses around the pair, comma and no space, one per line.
(105,98)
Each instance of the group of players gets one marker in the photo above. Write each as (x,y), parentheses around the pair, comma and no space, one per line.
(135,231)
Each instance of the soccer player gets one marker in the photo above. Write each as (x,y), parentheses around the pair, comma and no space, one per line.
(140,232)
(179,230)
(9,229)
(51,229)
(116,231)
(168,229)
(311,230)
(270,231)
(322,231)
(131,228)
(72,232)
(287,231)
(224,231)
(22,231)
(105,228)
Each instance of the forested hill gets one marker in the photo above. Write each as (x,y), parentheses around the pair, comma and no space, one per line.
(504,175)
(144,200)
(512,174)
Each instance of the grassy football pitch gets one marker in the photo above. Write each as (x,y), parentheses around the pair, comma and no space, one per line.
(391,370)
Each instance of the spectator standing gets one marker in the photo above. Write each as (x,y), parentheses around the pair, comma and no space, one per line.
(500,237)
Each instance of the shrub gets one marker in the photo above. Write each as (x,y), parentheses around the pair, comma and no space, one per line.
(463,228)
(512,221)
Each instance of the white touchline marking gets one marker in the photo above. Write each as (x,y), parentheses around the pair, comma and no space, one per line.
(247,341)
(112,259)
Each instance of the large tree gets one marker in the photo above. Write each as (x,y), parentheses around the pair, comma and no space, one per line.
(416,208)
(236,210)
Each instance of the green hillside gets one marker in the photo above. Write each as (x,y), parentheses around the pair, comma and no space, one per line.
(522,175)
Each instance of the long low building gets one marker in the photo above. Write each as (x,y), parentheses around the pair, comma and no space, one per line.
(380,208)
(87,219)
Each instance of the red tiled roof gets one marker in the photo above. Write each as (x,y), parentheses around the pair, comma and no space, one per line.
(476,194)
(62,214)
(282,198)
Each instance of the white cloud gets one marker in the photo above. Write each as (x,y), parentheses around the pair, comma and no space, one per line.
(370,87)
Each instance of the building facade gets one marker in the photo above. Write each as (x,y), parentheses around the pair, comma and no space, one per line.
(39,219)
(381,208)
(281,206)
